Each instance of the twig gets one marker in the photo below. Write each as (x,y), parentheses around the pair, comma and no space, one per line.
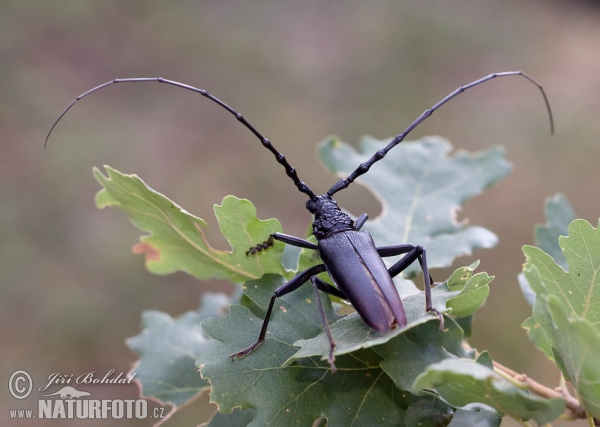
(573,405)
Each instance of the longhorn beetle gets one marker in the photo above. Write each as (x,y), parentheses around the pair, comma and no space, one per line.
(349,255)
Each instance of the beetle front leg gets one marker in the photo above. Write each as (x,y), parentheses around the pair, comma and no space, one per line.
(284,289)
(285,238)
(261,246)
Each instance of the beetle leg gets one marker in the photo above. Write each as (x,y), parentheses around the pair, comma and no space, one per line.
(328,289)
(385,251)
(284,289)
(413,253)
(428,283)
(330,359)
(285,238)
(261,246)
(294,241)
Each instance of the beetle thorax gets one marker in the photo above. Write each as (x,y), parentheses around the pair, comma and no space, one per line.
(329,218)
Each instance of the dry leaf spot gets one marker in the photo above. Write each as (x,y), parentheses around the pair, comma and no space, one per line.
(151,253)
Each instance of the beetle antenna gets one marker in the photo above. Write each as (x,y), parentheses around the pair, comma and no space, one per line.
(289,170)
(364,167)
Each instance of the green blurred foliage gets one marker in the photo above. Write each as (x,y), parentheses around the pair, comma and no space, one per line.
(71,290)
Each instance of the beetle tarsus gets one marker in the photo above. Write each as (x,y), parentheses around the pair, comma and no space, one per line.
(246,351)
(331,359)
(439,315)
(261,246)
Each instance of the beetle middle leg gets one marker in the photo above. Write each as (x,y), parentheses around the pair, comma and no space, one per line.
(413,253)
(284,289)
(320,285)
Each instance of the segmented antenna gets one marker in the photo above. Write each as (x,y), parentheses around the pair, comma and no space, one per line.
(364,167)
(289,170)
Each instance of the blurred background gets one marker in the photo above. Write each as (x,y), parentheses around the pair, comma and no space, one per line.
(71,290)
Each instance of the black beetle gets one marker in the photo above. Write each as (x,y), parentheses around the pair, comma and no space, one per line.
(349,255)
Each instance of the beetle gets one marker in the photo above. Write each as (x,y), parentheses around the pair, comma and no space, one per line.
(349,255)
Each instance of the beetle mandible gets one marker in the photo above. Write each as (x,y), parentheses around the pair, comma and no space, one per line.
(349,255)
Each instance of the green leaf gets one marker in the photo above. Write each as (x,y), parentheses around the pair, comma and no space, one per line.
(578,343)
(579,288)
(300,392)
(460,382)
(168,349)
(422,188)
(574,343)
(176,242)
(567,307)
(472,296)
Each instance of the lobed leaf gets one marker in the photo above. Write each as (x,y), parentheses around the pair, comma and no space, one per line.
(573,340)
(175,241)
(567,307)
(579,288)
(421,189)
(168,349)
(578,343)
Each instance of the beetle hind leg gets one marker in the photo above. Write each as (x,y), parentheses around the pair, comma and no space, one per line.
(428,284)
(318,284)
